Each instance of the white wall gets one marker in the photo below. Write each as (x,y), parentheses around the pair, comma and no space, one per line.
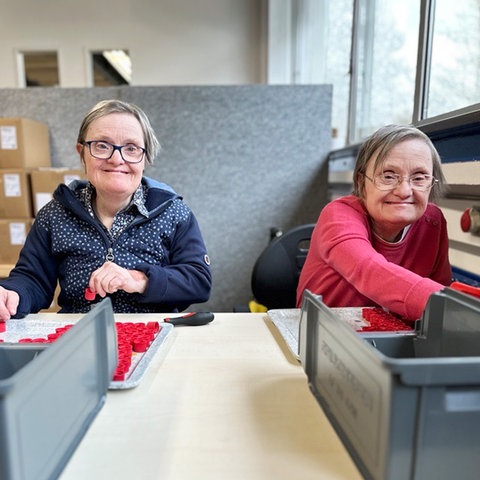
(171,42)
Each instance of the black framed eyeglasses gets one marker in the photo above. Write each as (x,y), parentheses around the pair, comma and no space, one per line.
(102,150)
(388,181)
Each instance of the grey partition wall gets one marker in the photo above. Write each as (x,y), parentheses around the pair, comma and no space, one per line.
(245,159)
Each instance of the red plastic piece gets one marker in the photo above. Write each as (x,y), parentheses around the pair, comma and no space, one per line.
(3,327)
(90,294)
(155,326)
(466,220)
(118,377)
(140,346)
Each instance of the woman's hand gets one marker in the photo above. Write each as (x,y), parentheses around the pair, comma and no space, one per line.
(110,277)
(9,301)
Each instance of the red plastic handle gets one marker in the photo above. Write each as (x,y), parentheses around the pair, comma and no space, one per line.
(463,287)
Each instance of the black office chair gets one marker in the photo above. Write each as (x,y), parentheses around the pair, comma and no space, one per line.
(277,269)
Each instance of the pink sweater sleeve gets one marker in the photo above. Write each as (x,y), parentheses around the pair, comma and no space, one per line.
(343,243)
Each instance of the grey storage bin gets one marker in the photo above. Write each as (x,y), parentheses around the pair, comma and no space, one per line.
(49,395)
(406,406)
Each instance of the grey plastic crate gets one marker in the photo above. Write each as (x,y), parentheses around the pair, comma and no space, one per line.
(406,406)
(50,394)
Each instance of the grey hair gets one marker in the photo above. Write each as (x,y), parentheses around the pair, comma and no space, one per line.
(106,107)
(381,142)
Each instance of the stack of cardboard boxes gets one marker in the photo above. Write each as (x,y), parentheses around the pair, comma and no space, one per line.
(27,182)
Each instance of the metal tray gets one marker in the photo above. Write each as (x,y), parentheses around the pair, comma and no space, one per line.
(287,321)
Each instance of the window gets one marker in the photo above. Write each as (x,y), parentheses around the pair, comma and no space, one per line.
(366,49)
(38,69)
(331,50)
(383,65)
(111,67)
(454,71)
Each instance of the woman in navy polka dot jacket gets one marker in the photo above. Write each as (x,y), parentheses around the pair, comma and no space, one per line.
(119,234)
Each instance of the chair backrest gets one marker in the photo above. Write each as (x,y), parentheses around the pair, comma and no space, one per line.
(275,273)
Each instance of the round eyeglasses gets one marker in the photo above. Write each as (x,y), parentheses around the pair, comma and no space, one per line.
(130,153)
(388,181)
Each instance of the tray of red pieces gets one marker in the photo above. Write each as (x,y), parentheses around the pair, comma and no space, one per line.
(137,344)
(379,320)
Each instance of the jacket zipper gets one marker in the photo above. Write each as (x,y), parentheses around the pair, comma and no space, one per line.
(110,257)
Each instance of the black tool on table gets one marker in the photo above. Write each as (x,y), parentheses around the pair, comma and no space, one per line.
(192,318)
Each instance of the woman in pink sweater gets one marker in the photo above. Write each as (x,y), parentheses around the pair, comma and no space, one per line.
(386,244)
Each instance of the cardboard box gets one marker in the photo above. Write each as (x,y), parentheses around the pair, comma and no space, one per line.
(44,181)
(15,194)
(24,143)
(13,233)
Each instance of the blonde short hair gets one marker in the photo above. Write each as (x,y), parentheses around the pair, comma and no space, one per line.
(106,107)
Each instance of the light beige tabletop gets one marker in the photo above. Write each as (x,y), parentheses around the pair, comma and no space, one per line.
(224,401)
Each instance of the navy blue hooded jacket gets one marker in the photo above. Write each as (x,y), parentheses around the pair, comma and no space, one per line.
(66,244)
